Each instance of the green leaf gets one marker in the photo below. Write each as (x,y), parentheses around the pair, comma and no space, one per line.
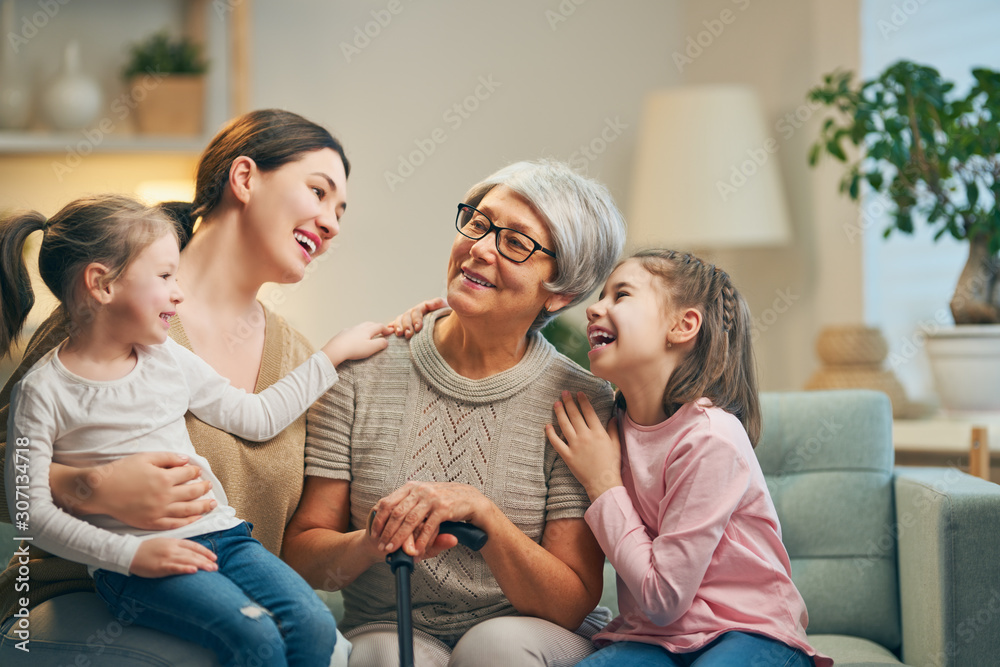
(814,154)
(852,190)
(972,193)
(834,149)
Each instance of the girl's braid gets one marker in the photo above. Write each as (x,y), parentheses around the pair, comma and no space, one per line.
(728,294)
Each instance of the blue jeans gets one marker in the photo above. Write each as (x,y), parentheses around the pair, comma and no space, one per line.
(254,610)
(733,649)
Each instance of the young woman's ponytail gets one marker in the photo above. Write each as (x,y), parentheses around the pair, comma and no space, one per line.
(182,214)
(16,297)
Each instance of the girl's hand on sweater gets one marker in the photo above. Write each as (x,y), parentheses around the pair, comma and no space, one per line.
(165,556)
(411,515)
(412,320)
(149,491)
(358,342)
(591,451)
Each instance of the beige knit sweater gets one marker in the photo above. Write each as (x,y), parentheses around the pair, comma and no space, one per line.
(406,415)
(263,481)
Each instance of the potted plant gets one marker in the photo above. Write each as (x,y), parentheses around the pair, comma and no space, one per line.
(569,339)
(166,82)
(935,155)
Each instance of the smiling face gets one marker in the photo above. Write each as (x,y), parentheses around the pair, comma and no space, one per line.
(483,283)
(145,296)
(294,212)
(629,325)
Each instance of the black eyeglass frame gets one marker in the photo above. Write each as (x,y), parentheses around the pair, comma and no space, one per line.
(497,229)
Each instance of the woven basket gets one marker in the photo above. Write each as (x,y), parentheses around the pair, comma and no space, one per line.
(863,377)
(851,345)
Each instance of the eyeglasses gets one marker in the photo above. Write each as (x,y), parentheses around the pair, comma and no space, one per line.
(512,244)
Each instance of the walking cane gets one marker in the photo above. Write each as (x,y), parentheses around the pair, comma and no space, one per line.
(402,565)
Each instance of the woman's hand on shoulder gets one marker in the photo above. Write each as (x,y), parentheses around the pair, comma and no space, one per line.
(165,556)
(591,451)
(410,516)
(411,321)
(149,491)
(358,342)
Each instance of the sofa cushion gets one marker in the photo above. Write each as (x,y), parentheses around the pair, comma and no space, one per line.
(827,458)
(852,651)
(79,629)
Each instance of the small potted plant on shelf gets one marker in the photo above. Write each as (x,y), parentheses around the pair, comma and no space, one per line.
(935,155)
(166,83)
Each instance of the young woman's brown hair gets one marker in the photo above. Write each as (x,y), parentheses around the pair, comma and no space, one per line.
(270,137)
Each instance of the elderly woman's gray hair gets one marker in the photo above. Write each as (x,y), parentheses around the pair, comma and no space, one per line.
(588,230)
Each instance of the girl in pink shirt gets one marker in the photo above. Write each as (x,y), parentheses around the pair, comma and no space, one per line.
(679,503)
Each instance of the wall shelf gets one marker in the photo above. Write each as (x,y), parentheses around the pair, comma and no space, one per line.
(223,32)
(78,143)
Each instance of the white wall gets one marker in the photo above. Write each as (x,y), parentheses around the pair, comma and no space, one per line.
(782,48)
(560,72)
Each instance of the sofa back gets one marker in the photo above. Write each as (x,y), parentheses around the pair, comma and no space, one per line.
(827,457)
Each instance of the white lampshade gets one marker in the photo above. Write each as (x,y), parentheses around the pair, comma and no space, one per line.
(706,173)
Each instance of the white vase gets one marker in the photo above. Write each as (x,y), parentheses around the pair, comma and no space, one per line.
(965,361)
(15,95)
(73,100)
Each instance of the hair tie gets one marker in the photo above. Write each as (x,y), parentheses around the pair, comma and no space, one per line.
(46,225)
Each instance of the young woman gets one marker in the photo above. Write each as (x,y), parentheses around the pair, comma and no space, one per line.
(271,189)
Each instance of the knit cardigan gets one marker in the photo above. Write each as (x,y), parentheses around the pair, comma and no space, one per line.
(406,415)
(263,481)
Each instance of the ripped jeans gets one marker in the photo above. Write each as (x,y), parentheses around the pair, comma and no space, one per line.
(254,610)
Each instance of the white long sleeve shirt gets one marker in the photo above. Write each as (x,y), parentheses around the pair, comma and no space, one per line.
(57,416)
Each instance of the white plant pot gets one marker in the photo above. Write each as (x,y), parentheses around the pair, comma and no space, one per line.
(965,361)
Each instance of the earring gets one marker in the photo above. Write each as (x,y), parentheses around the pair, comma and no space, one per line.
(669,344)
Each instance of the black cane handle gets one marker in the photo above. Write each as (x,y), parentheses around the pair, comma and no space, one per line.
(467,534)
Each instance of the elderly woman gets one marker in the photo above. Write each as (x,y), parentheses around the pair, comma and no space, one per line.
(450,426)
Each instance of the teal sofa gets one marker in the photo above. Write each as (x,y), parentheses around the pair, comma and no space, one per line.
(897,566)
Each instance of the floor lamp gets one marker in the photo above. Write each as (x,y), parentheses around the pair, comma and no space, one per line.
(706,172)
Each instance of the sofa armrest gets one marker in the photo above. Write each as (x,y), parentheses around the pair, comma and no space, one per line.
(948,532)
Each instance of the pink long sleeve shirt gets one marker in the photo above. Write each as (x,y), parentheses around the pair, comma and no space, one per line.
(695,539)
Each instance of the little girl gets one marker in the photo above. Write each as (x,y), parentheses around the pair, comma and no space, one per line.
(118,385)
(680,506)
